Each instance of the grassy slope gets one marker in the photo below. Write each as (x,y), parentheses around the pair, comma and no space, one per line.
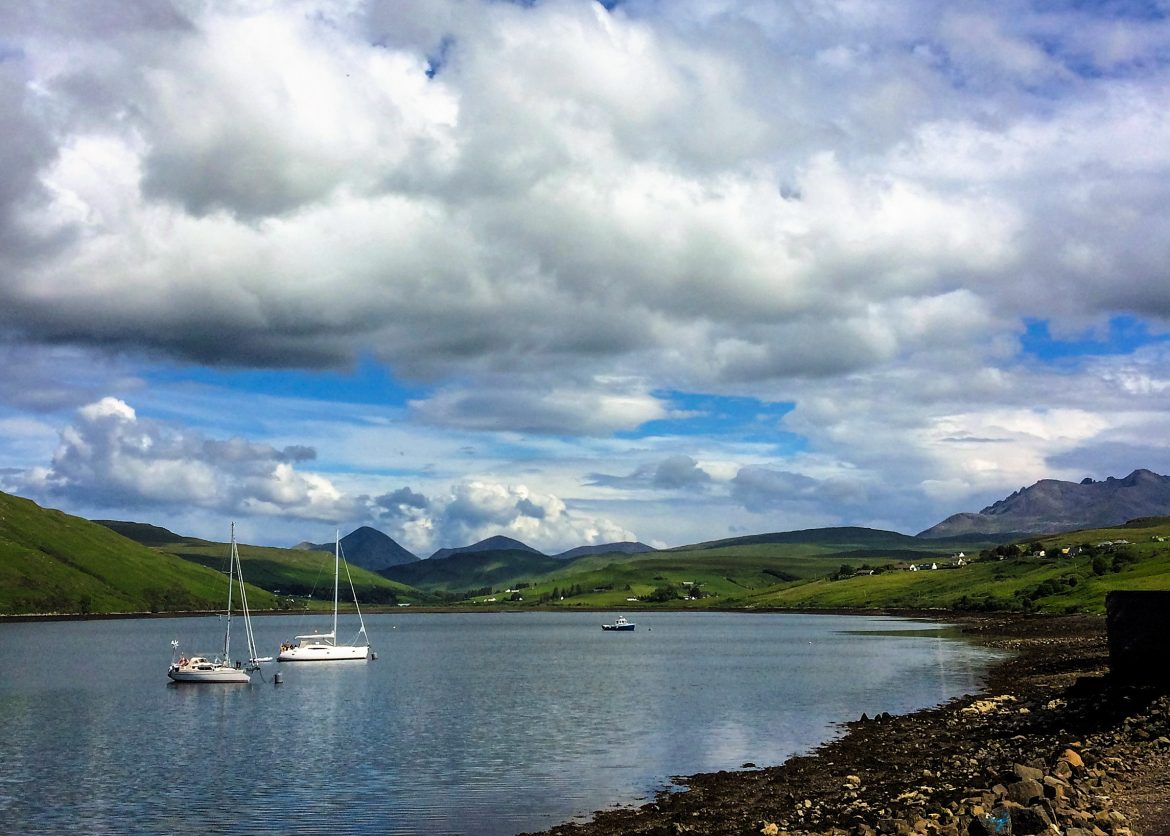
(724,572)
(473,570)
(746,575)
(1049,584)
(53,562)
(296,572)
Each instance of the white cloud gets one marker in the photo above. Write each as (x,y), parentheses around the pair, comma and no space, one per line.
(597,407)
(548,218)
(109,457)
(570,183)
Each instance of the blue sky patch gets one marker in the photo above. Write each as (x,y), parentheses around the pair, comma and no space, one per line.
(1125,335)
(747,419)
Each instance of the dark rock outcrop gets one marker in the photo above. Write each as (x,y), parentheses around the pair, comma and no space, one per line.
(1051,505)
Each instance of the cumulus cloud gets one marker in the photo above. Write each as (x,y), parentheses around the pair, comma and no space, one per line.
(476,509)
(400,503)
(510,186)
(679,472)
(675,472)
(109,457)
(599,406)
(549,217)
(766,489)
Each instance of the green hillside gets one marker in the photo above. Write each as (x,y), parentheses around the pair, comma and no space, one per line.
(839,538)
(723,572)
(299,573)
(1097,561)
(473,570)
(51,562)
(836,568)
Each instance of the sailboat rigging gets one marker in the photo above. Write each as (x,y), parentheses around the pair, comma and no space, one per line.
(323,647)
(222,669)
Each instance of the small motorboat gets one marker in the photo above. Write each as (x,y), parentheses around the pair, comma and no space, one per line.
(619,624)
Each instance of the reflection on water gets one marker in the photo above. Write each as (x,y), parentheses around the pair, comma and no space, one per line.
(484,723)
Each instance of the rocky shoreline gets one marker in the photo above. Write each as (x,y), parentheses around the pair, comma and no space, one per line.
(1052,745)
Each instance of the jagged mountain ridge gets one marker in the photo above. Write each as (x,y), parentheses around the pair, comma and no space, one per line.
(1052,505)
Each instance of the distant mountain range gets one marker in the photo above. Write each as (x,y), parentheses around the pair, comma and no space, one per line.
(1046,507)
(1050,506)
(51,562)
(371,549)
(501,543)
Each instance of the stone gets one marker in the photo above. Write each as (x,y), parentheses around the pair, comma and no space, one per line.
(1027,772)
(1029,821)
(1025,791)
(1054,788)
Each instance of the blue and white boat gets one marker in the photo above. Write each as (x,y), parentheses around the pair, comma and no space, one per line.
(619,624)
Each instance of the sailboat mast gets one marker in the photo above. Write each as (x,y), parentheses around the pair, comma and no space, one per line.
(227,634)
(244,604)
(336,566)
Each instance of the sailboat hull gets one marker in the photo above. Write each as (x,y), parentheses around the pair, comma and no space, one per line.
(322,653)
(213,674)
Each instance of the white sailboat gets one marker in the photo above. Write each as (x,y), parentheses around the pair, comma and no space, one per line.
(323,647)
(222,669)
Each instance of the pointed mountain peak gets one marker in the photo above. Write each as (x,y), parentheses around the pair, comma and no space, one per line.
(367,547)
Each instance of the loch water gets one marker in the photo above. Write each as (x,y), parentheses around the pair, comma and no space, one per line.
(485,723)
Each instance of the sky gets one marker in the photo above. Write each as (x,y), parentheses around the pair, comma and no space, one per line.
(577,273)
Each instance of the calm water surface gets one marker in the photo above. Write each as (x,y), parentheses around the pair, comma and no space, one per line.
(466,723)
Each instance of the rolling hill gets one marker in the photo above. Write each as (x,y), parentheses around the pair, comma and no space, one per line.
(51,562)
(625,547)
(1074,573)
(302,573)
(473,570)
(720,568)
(499,543)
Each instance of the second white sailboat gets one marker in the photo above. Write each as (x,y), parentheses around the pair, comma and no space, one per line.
(324,647)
